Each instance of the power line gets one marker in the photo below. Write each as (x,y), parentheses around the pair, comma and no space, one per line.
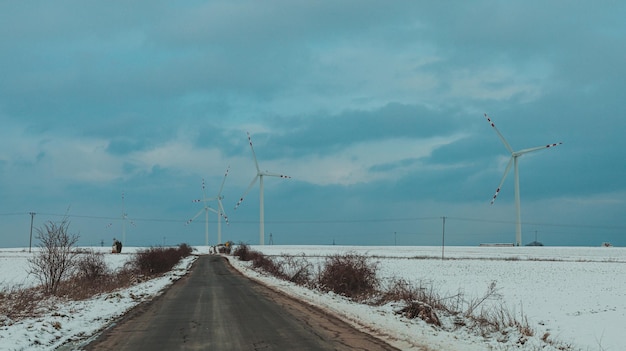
(334,221)
(589,226)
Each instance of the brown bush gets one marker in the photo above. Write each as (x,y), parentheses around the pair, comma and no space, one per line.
(267,264)
(185,250)
(349,275)
(242,252)
(158,260)
(91,265)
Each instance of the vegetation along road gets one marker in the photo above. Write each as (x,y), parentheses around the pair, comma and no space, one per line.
(216,308)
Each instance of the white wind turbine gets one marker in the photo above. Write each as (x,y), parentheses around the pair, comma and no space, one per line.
(220,211)
(259,175)
(514,156)
(124,219)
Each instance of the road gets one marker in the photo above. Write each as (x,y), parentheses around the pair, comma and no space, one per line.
(214,307)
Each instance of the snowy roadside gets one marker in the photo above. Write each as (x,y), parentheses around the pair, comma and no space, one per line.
(404,333)
(381,321)
(66,325)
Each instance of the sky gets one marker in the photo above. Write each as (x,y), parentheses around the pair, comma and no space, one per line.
(375,110)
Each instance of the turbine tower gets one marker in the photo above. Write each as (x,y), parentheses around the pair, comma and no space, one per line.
(259,175)
(124,218)
(514,160)
(220,211)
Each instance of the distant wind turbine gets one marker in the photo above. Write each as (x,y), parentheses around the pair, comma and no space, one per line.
(220,211)
(124,219)
(514,156)
(259,175)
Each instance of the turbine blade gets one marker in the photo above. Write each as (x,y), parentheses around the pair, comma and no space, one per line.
(223,181)
(203,189)
(247,191)
(506,172)
(194,217)
(506,144)
(221,209)
(525,151)
(275,175)
(256,163)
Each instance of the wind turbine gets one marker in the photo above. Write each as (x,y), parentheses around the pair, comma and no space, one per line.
(259,175)
(514,160)
(220,211)
(124,219)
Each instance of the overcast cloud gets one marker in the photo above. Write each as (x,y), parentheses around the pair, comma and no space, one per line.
(374,109)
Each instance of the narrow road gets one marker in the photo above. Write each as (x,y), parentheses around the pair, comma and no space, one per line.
(216,308)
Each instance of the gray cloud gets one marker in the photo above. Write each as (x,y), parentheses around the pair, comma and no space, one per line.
(375,109)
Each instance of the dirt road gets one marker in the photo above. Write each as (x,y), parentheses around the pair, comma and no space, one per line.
(216,308)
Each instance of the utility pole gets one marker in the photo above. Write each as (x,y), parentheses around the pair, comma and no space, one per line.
(395,241)
(32,218)
(443,236)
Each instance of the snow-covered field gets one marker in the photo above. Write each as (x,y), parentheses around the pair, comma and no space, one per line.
(69,324)
(576,294)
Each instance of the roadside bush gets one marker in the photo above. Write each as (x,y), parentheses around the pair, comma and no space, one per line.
(91,265)
(158,260)
(349,275)
(268,265)
(297,269)
(185,250)
(242,252)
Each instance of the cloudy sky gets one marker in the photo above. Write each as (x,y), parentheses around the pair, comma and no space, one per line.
(375,109)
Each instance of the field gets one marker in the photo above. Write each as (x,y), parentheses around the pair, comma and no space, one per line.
(571,296)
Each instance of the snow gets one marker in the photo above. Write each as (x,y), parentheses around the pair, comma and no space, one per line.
(575,295)
(71,323)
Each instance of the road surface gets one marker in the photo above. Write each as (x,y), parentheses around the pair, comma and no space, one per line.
(214,307)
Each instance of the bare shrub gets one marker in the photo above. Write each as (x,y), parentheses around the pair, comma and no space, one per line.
(290,268)
(242,252)
(398,290)
(297,269)
(56,258)
(349,275)
(91,265)
(185,250)
(266,264)
(473,304)
(158,260)
(16,302)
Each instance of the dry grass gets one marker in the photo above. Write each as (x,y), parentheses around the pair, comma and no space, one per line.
(17,303)
(91,277)
(354,276)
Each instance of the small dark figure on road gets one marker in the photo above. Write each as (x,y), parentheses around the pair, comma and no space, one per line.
(117,246)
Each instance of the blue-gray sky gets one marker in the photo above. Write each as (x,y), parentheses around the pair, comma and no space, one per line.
(375,109)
